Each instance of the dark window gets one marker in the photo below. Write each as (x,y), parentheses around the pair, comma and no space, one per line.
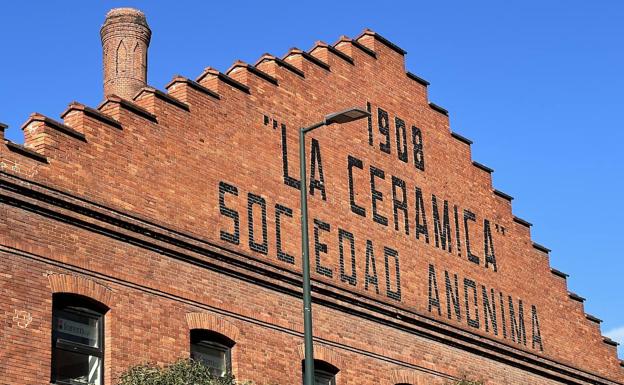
(213,350)
(324,373)
(77,340)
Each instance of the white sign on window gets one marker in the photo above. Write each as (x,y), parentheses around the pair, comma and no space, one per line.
(79,329)
(212,358)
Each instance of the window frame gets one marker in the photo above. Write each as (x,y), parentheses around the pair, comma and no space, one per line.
(211,339)
(67,303)
(321,368)
(325,374)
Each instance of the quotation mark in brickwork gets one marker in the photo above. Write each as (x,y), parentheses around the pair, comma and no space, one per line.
(268,121)
(499,228)
(23,318)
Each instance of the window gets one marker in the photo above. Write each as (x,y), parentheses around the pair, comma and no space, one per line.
(213,350)
(324,372)
(77,340)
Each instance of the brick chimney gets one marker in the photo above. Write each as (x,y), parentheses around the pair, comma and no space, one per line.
(125,39)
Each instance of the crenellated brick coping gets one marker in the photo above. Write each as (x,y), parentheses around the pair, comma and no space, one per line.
(417,79)
(281,63)
(522,221)
(439,109)
(162,96)
(331,49)
(461,138)
(92,113)
(253,70)
(296,51)
(356,44)
(383,40)
(609,341)
(60,127)
(65,283)
(593,319)
(128,106)
(192,84)
(576,297)
(503,195)
(207,321)
(559,273)
(541,248)
(209,71)
(483,167)
(25,151)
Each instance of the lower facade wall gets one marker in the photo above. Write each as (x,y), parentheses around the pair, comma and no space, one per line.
(146,326)
(150,297)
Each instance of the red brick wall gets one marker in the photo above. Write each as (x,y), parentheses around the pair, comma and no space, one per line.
(147,320)
(162,161)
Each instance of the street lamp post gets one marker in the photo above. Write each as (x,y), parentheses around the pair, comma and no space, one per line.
(339,118)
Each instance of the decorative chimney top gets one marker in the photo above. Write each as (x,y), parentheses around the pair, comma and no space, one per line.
(125,39)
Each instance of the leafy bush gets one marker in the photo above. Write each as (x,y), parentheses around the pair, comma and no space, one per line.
(182,372)
(190,372)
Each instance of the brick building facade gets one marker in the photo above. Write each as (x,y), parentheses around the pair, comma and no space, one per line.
(133,231)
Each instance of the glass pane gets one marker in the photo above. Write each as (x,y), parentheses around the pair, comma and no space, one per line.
(77,328)
(323,378)
(213,357)
(76,369)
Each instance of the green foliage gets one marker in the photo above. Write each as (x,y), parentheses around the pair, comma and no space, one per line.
(182,372)
(190,372)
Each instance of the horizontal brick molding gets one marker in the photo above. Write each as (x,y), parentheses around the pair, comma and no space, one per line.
(411,377)
(323,353)
(66,283)
(207,321)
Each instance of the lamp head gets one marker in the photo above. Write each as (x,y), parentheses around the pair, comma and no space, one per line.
(346,116)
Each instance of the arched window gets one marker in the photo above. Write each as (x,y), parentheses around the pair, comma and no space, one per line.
(324,372)
(213,350)
(77,340)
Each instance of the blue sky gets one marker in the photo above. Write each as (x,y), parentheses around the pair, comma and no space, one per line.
(536,84)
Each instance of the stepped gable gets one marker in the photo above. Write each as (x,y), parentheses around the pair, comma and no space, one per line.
(424,235)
